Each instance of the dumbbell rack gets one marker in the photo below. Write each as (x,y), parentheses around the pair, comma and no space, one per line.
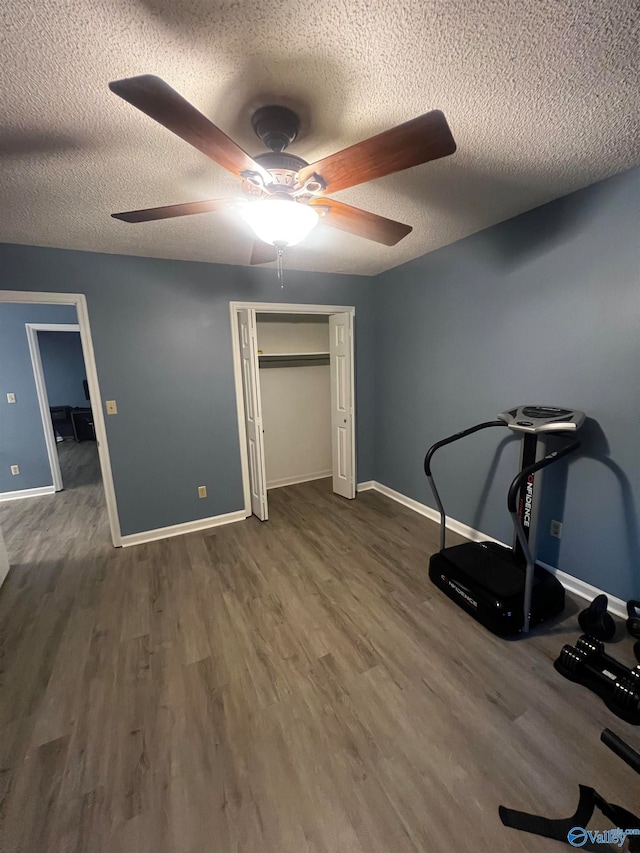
(617,685)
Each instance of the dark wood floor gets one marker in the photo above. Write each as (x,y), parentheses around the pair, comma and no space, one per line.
(291,687)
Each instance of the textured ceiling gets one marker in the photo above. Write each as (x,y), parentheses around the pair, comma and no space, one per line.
(542,98)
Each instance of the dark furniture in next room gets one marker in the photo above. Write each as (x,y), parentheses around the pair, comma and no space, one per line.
(61,420)
(82,422)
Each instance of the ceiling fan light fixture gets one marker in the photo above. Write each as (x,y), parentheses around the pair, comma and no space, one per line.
(290,189)
(280,221)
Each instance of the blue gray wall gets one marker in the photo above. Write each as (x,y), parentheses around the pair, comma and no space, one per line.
(21,433)
(544,308)
(161,333)
(63,368)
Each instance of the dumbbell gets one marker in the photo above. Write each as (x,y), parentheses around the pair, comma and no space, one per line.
(616,683)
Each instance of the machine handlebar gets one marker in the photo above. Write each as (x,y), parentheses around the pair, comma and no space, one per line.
(452,438)
(427,469)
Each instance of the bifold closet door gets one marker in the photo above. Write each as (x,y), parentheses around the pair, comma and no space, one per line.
(253,411)
(342,432)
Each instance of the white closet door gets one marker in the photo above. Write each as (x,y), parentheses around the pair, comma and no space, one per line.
(342,432)
(253,412)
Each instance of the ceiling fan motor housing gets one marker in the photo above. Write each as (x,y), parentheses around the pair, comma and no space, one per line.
(282,167)
(276,126)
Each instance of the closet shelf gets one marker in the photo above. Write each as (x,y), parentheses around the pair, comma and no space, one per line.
(274,358)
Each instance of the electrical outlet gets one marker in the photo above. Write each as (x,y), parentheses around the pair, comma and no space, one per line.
(556,529)
(11,398)
(112,409)
(202,491)
(15,469)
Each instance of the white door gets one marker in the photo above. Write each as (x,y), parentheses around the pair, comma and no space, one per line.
(342,432)
(253,412)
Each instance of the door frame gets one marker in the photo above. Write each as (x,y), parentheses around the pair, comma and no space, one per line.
(41,391)
(279,308)
(79,301)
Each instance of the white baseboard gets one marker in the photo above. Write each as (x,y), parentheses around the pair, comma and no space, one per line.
(572,584)
(291,481)
(181,529)
(27,493)
(434,515)
(585,590)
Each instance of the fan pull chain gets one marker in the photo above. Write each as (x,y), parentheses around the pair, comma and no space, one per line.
(280,267)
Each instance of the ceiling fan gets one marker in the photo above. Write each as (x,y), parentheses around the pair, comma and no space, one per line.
(285,196)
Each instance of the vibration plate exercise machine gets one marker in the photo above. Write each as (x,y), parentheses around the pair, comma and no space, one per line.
(503,588)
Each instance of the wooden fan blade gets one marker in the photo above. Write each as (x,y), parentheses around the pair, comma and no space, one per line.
(170,211)
(417,141)
(262,253)
(160,102)
(361,222)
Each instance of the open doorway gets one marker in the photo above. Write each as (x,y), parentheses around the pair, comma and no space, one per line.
(294,372)
(60,378)
(59,374)
(56,487)
(51,490)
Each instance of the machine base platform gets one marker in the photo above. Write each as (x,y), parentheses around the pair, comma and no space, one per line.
(484,579)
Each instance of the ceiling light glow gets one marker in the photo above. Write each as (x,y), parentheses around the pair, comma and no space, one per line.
(280,221)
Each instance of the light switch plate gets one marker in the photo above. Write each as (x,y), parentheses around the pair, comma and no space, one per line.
(11,398)
(112,409)
(556,529)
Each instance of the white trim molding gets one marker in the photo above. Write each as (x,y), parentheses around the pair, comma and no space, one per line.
(27,493)
(182,529)
(291,308)
(572,584)
(585,590)
(432,514)
(41,391)
(54,327)
(79,300)
(272,308)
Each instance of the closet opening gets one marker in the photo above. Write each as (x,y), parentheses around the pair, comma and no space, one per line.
(294,373)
